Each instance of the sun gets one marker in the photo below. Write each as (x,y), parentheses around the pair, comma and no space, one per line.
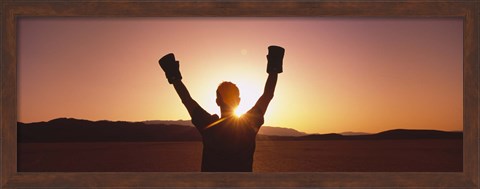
(249,94)
(238,112)
(250,85)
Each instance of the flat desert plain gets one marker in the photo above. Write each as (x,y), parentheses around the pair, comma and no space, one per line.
(415,155)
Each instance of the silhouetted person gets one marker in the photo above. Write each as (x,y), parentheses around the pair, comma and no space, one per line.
(228,141)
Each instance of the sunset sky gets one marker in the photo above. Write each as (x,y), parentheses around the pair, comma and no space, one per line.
(340,74)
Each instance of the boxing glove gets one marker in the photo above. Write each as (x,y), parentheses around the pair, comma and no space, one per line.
(275,59)
(171,67)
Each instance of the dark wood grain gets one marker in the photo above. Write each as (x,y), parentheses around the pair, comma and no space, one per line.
(2,47)
(242,179)
(8,102)
(471,94)
(13,10)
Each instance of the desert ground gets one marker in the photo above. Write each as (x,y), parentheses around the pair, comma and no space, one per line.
(422,155)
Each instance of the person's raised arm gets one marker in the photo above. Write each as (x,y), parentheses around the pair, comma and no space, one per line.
(184,95)
(274,67)
(171,67)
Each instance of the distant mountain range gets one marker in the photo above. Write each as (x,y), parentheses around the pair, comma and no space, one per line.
(77,130)
(169,122)
(349,133)
(264,130)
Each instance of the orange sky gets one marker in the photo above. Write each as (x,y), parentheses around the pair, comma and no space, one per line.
(340,74)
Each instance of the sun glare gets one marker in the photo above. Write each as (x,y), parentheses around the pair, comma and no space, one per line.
(249,94)
(250,86)
(239,112)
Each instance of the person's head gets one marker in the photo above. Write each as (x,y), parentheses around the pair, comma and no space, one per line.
(228,96)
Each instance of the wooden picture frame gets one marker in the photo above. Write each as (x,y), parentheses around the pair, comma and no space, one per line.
(12,10)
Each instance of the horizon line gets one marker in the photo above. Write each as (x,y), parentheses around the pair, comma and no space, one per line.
(179,120)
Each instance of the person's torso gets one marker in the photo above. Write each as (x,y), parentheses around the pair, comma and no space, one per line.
(229,145)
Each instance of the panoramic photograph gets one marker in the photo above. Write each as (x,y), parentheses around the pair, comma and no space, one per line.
(240,94)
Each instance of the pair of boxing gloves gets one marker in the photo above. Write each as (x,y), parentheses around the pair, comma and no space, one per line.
(171,67)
